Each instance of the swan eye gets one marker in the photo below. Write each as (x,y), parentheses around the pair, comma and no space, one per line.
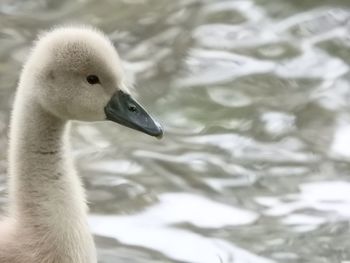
(92,79)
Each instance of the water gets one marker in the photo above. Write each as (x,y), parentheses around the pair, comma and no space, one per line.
(255,98)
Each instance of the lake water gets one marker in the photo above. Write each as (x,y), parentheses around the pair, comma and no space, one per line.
(254,96)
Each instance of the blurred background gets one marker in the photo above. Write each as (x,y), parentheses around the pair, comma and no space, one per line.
(254,96)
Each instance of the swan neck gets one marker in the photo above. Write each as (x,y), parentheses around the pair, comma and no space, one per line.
(43,180)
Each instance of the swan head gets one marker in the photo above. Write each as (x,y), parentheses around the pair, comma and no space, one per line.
(76,74)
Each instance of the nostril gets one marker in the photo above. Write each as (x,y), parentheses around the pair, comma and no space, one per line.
(132,108)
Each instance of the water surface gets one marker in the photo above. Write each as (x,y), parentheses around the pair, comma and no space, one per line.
(255,98)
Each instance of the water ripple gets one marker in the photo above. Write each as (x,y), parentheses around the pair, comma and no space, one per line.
(254,97)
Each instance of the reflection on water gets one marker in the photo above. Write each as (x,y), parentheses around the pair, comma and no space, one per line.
(254,96)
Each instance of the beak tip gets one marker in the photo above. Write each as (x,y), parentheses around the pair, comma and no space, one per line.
(160,132)
(160,135)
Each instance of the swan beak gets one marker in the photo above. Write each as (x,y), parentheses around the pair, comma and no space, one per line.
(126,111)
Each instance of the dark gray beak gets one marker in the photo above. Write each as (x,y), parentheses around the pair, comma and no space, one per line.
(126,111)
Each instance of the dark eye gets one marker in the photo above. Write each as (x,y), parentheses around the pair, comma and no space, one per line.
(92,79)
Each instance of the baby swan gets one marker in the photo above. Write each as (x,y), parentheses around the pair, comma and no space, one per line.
(72,73)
